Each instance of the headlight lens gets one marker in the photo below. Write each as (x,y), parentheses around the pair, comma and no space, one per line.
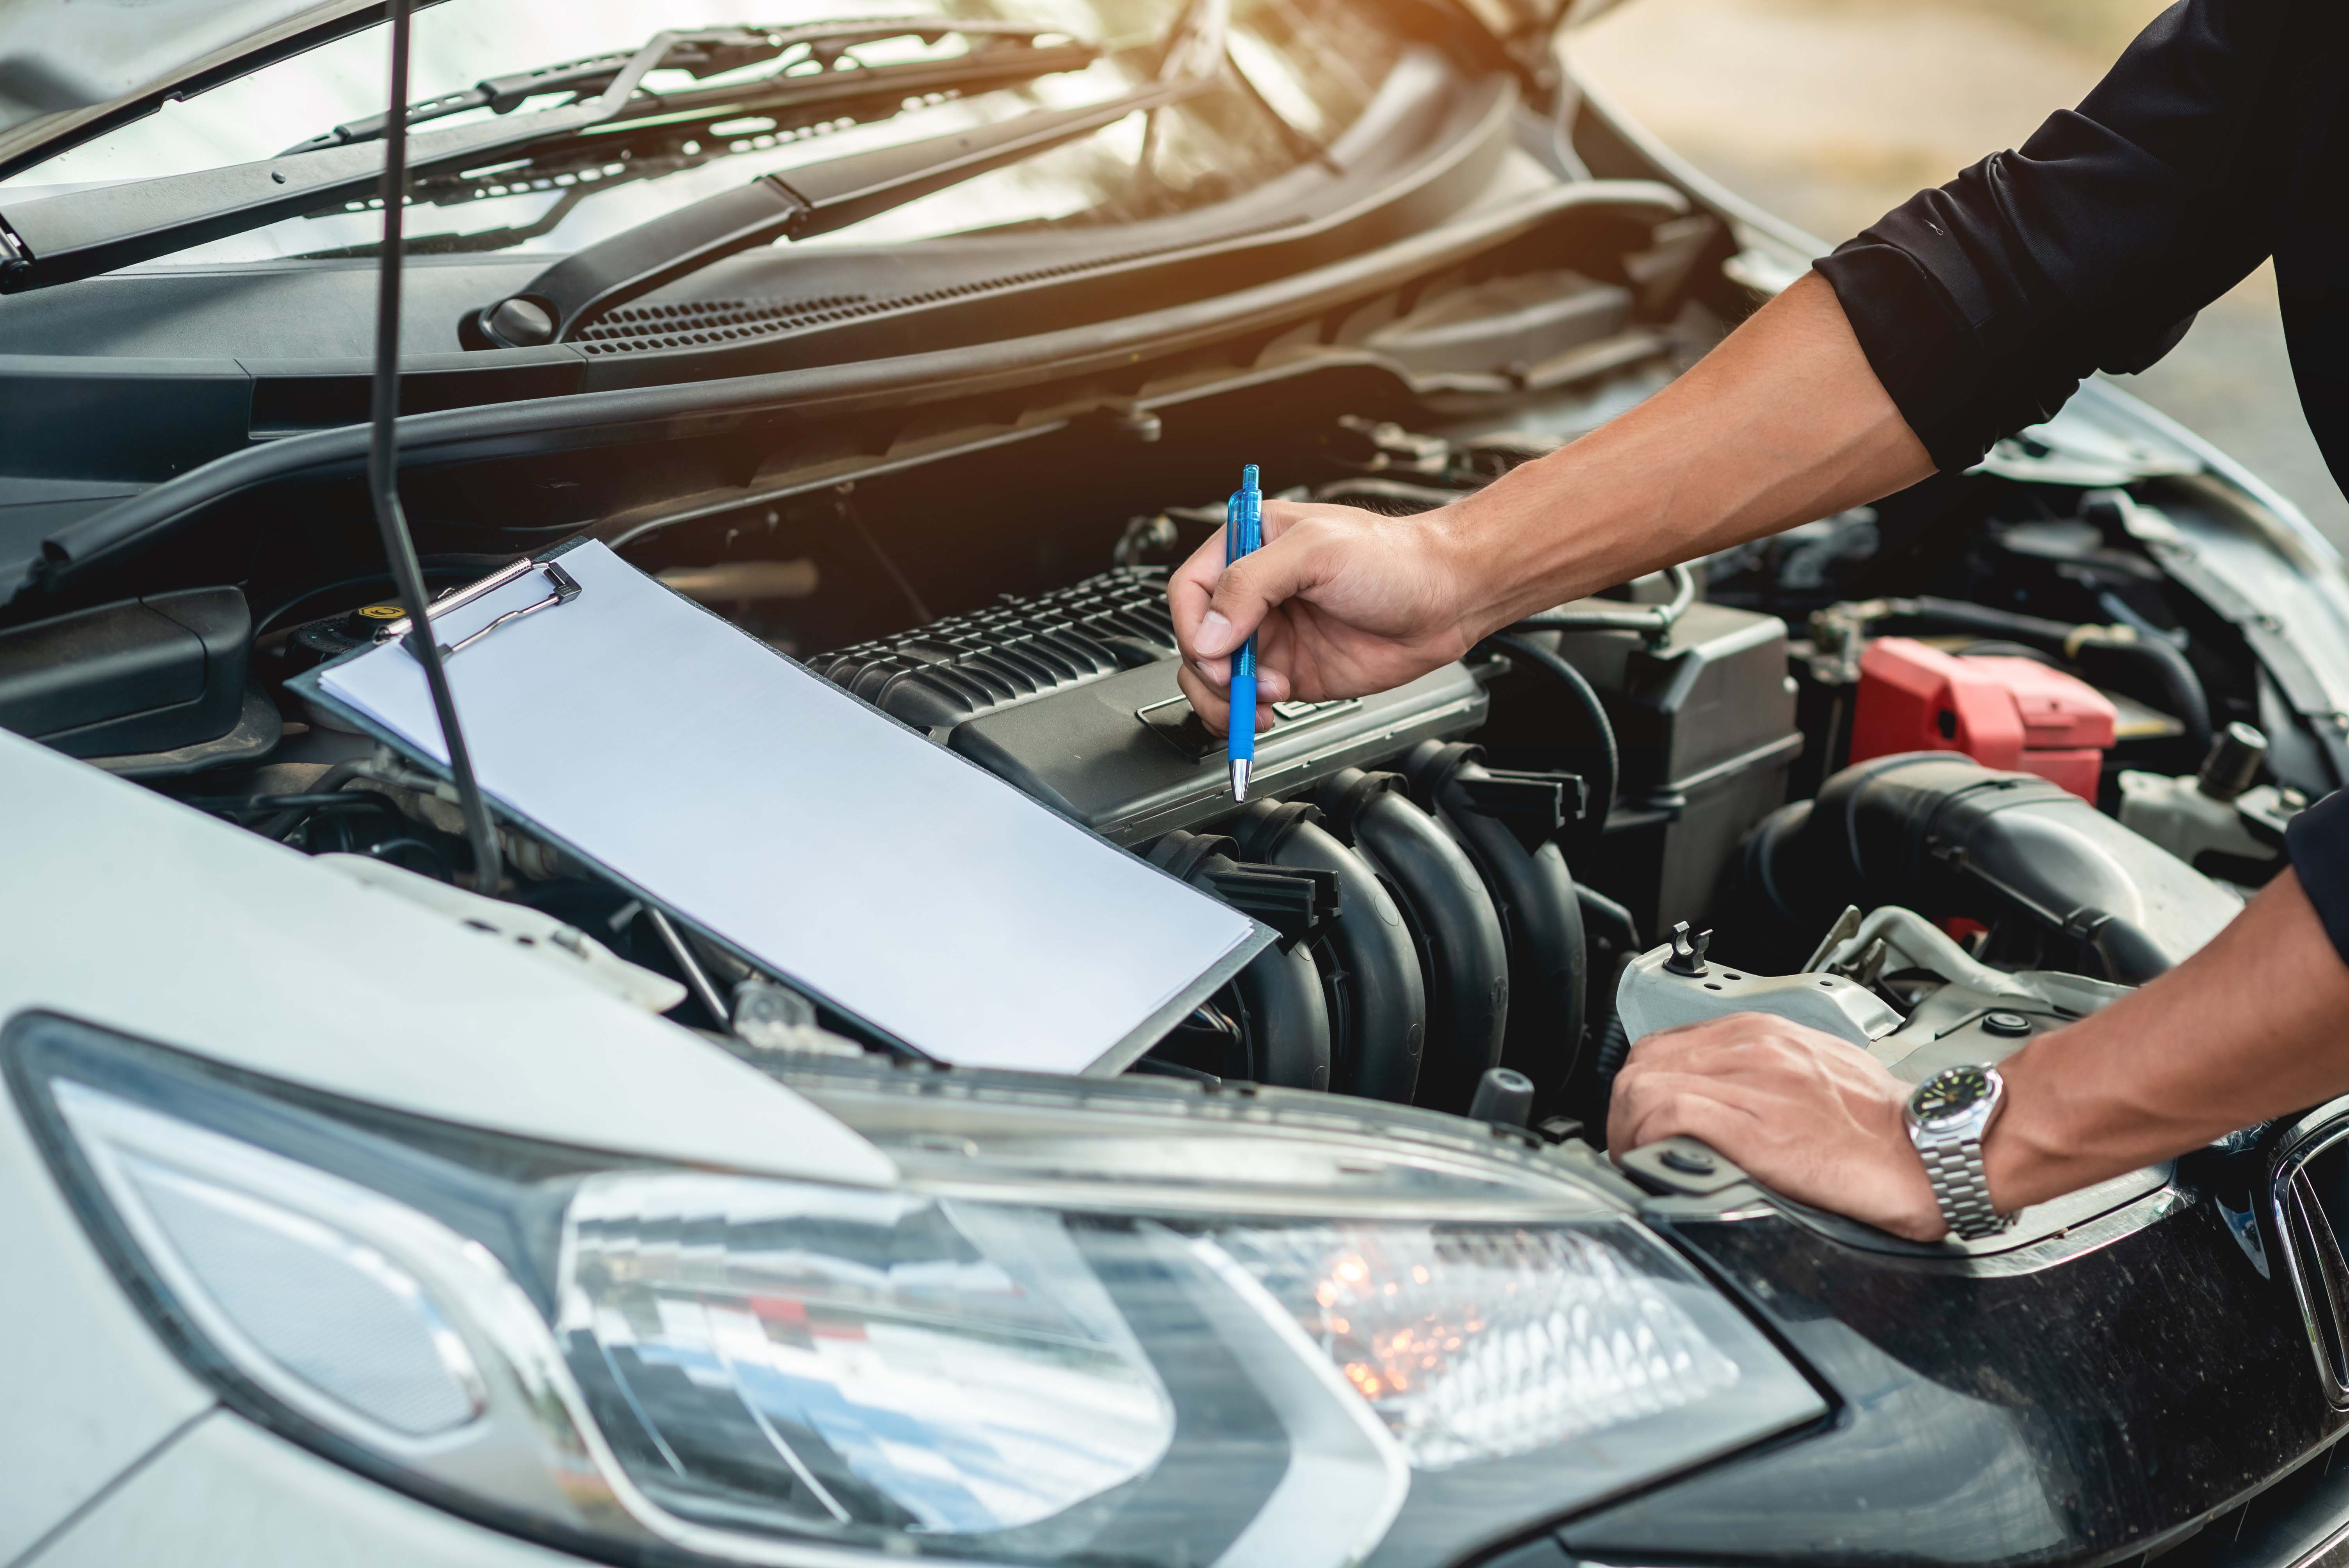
(774,1371)
(313,1301)
(843,1359)
(1478,1343)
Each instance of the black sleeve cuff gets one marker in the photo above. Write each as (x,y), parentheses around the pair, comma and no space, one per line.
(1920,350)
(2317,842)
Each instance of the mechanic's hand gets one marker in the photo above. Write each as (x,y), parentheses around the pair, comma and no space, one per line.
(1803,1113)
(1344,603)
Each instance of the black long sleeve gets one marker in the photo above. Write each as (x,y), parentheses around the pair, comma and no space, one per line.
(2317,844)
(1983,303)
(2214,143)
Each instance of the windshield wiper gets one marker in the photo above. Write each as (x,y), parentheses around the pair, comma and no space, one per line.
(699,54)
(819,198)
(815,198)
(82,233)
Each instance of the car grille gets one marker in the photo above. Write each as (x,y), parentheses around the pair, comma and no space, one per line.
(2309,1204)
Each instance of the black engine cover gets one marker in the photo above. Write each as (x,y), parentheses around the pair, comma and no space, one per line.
(1072,697)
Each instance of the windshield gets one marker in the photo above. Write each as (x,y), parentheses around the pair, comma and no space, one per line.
(1302,71)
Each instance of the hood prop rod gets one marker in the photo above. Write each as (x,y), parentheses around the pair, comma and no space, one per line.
(383,470)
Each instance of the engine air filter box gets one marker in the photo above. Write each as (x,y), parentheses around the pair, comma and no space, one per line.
(2004,712)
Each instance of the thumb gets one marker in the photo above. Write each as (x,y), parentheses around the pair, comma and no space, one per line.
(1250,589)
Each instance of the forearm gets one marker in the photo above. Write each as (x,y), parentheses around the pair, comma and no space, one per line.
(2254,1026)
(1782,423)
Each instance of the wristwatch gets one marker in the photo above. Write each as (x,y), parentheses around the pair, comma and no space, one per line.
(1949,1116)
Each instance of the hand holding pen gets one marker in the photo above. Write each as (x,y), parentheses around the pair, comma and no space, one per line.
(1339,602)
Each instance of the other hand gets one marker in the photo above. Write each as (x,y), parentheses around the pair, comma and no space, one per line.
(1344,603)
(1801,1111)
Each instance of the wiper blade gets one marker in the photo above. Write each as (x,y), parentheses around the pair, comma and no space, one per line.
(699,54)
(815,198)
(680,129)
(82,234)
(819,198)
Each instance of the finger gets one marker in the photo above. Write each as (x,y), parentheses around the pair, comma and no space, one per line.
(1637,1083)
(1750,1057)
(1723,1128)
(1634,1105)
(1210,702)
(1685,1041)
(1280,516)
(1249,588)
(1637,1087)
(1213,703)
(1667,1105)
(1673,1045)
(1189,589)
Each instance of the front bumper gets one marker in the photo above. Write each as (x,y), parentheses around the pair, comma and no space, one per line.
(224,1493)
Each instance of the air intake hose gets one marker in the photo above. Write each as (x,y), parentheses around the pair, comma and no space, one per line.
(1283,1017)
(1462,955)
(1508,823)
(1370,970)
(1946,836)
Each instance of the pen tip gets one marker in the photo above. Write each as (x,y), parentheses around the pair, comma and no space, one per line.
(1247,476)
(1239,778)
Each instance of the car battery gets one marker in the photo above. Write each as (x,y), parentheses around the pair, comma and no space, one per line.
(1704,726)
(2002,712)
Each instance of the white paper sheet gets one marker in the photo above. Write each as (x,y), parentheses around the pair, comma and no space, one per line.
(848,852)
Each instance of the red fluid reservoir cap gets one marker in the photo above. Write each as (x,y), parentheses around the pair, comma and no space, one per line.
(2002,712)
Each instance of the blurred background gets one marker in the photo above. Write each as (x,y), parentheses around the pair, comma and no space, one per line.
(1826,112)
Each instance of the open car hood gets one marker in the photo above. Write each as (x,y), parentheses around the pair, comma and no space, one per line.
(70,68)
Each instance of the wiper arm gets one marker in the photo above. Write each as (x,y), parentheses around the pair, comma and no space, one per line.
(82,234)
(815,198)
(819,198)
(697,53)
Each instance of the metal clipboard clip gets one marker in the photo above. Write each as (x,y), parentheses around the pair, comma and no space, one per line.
(566,589)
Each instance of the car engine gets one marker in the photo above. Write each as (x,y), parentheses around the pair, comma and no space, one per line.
(1935,775)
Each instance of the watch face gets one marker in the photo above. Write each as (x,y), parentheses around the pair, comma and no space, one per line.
(1950,1094)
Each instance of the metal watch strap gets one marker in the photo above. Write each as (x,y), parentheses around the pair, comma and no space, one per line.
(1954,1166)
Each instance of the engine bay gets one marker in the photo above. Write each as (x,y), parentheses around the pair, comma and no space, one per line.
(1936,775)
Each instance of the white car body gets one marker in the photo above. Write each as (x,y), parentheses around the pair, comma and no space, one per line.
(221,943)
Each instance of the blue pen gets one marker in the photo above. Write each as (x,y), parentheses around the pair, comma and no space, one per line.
(1243,532)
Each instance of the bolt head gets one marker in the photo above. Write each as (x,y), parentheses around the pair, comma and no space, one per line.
(521,324)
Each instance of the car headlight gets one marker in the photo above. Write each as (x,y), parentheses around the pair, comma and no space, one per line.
(1420,1349)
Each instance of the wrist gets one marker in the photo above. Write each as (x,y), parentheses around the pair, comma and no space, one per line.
(1911,1208)
(2043,1145)
(1914,1209)
(1536,538)
(1476,555)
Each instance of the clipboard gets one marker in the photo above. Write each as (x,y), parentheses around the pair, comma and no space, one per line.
(794,825)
